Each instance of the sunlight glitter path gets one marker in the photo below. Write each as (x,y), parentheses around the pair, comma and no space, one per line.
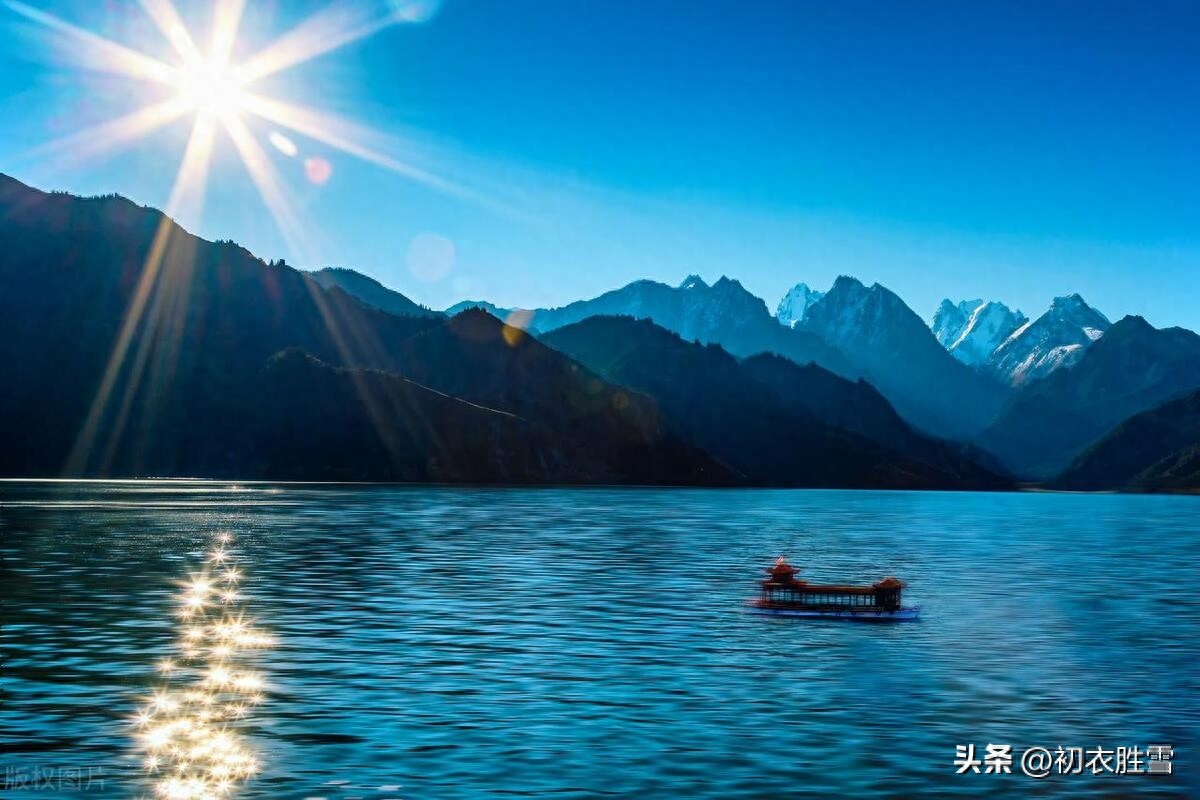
(188,731)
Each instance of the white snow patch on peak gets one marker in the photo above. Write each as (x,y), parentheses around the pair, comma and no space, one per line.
(1019,332)
(795,304)
(693,282)
(988,326)
(950,320)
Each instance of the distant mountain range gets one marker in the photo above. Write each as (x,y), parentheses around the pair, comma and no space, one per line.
(993,395)
(851,330)
(227,366)
(723,313)
(978,374)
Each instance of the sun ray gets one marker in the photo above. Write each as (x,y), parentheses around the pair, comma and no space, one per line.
(185,195)
(167,315)
(355,343)
(345,136)
(255,159)
(337,25)
(227,18)
(167,18)
(108,137)
(96,52)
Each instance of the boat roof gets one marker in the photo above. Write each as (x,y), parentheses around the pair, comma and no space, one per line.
(782,576)
(816,588)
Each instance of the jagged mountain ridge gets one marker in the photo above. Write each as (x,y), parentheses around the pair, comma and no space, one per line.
(723,313)
(931,389)
(972,329)
(768,418)
(1054,340)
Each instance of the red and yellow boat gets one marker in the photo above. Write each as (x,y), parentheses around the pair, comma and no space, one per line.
(783,594)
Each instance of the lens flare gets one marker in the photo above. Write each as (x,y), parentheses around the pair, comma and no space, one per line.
(283,144)
(318,170)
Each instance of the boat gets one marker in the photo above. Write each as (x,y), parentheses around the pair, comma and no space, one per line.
(784,595)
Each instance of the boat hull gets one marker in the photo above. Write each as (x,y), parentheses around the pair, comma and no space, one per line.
(863,615)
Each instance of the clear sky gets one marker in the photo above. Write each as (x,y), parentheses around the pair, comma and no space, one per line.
(1004,150)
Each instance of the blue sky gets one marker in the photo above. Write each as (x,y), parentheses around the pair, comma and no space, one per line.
(1004,150)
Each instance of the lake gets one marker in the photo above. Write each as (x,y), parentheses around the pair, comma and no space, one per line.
(459,643)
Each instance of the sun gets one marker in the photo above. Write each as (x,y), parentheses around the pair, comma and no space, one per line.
(209,86)
(220,95)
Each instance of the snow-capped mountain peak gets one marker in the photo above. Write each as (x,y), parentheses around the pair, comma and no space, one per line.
(972,329)
(795,304)
(1055,339)
(950,320)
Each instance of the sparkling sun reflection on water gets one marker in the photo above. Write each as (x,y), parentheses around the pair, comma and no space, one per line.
(188,732)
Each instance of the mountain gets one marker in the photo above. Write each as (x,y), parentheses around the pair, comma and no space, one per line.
(896,351)
(133,348)
(1132,368)
(491,308)
(370,291)
(723,313)
(795,304)
(1157,449)
(537,419)
(769,419)
(950,320)
(1054,340)
(972,329)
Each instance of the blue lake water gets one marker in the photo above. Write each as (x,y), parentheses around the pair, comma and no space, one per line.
(455,643)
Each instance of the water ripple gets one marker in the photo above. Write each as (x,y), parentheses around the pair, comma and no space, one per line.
(585,643)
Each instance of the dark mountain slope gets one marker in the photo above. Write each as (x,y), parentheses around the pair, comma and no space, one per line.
(190,328)
(860,408)
(194,330)
(1157,449)
(1133,367)
(772,420)
(311,425)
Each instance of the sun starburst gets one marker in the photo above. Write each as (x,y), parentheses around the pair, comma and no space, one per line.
(208,87)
